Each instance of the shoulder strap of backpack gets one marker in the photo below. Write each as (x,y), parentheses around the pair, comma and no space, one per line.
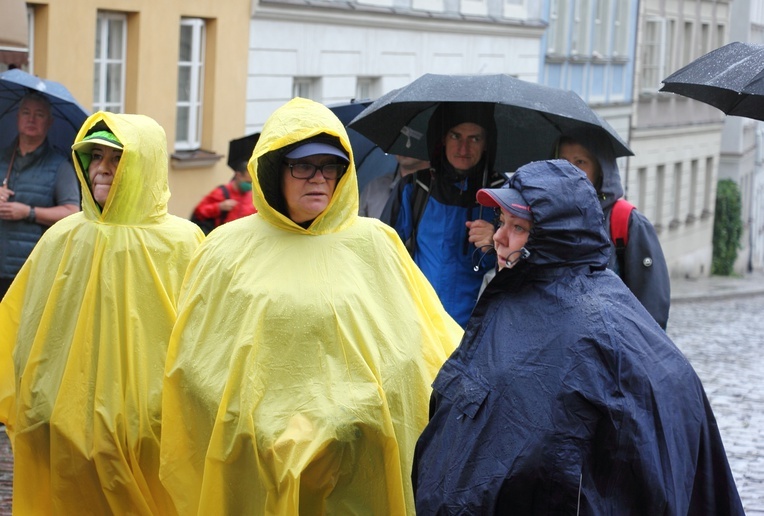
(619,224)
(420,195)
(226,195)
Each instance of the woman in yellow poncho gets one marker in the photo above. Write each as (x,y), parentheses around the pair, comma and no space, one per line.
(298,374)
(85,327)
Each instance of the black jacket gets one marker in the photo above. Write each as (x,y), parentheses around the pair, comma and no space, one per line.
(565,395)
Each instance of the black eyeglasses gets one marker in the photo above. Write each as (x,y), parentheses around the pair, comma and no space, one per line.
(308,170)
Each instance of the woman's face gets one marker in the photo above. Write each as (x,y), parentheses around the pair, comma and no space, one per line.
(103,164)
(307,198)
(578,155)
(511,236)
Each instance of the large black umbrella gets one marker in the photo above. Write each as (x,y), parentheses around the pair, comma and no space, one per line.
(68,114)
(370,160)
(529,117)
(730,78)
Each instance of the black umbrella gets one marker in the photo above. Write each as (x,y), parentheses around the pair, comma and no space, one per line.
(730,78)
(529,117)
(370,160)
(240,150)
(68,114)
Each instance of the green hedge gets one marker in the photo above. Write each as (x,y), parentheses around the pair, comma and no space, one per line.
(728,227)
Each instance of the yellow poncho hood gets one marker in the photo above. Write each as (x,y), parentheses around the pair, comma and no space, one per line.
(299,371)
(84,334)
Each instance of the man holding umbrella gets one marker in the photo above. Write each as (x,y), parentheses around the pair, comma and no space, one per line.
(38,189)
(435,212)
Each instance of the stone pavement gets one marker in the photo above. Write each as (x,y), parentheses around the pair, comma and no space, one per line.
(682,291)
(716,287)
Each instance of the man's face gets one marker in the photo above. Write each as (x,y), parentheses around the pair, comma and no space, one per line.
(34,119)
(465,144)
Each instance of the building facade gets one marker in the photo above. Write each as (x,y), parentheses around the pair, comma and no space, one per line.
(676,141)
(179,61)
(332,51)
(742,149)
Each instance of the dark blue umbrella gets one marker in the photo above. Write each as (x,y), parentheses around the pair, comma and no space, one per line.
(370,160)
(68,114)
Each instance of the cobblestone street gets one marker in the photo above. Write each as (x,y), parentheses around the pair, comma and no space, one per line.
(722,335)
(724,341)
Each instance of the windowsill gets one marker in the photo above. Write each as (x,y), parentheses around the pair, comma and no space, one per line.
(194,159)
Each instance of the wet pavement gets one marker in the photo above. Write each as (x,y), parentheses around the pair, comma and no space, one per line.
(719,324)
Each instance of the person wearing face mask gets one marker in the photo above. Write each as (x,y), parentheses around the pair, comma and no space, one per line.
(565,396)
(298,374)
(85,329)
(226,202)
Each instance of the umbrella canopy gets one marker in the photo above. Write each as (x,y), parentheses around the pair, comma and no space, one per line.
(529,117)
(240,150)
(68,114)
(370,160)
(730,78)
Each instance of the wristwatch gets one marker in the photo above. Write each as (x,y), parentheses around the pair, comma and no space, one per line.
(31,217)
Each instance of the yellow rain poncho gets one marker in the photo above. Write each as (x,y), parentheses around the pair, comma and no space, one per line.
(84,335)
(298,374)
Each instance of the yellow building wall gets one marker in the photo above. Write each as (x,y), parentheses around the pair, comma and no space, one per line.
(64,51)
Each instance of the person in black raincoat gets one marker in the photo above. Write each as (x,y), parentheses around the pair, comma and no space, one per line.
(640,263)
(565,396)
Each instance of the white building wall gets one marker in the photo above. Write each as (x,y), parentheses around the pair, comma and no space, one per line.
(337,47)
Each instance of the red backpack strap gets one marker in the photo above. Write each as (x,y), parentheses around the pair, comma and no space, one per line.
(619,223)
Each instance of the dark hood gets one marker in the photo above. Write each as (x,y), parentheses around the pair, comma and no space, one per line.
(599,145)
(568,223)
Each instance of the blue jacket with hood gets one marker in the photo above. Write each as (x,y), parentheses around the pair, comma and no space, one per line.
(441,246)
(565,396)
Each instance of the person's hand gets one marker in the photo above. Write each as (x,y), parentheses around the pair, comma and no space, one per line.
(480,232)
(13,210)
(5,193)
(228,204)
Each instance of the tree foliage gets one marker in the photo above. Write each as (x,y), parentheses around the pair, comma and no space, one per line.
(728,227)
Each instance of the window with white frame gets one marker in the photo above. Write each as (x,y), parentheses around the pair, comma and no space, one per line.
(517,9)
(579,44)
(110,53)
(653,54)
(305,87)
(188,122)
(29,67)
(601,42)
(557,32)
(621,30)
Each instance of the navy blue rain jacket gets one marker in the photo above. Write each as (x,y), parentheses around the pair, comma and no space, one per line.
(565,396)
